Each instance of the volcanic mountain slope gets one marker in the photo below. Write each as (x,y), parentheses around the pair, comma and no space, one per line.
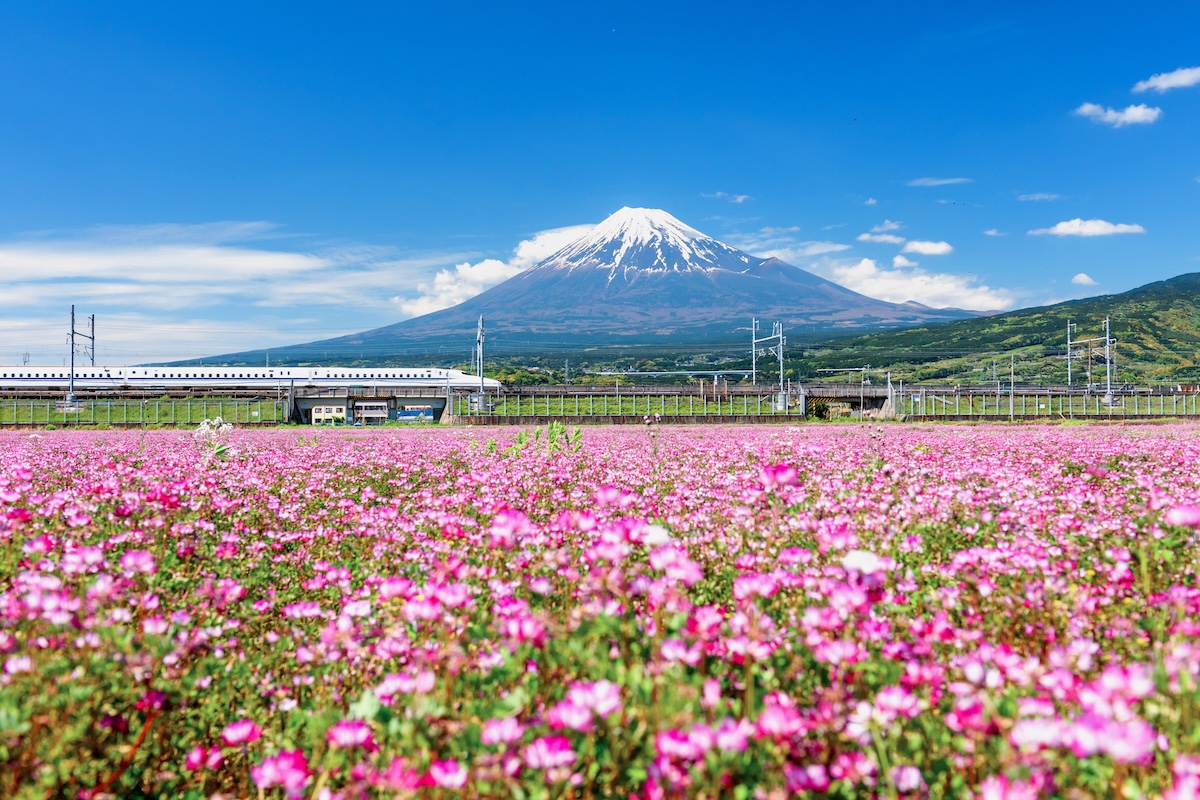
(639,277)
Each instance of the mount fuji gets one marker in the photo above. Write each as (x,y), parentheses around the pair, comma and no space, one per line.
(639,277)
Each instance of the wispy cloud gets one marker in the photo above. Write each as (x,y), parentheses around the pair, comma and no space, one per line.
(1083,279)
(994,232)
(129,337)
(1165,81)
(782,243)
(463,281)
(1087,227)
(928,248)
(899,285)
(871,201)
(1140,114)
(886,225)
(881,238)
(733,198)
(901,261)
(938,181)
(1038,197)
(173,280)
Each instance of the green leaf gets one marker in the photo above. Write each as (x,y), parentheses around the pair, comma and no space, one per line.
(366,707)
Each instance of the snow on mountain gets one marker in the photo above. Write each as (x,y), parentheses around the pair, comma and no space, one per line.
(646,240)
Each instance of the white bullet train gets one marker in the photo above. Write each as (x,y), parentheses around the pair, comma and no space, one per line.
(31,376)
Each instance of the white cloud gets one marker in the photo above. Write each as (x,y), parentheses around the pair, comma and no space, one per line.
(937,181)
(886,225)
(871,201)
(808,250)
(782,243)
(733,198)
(164,292)
(994,232)
(193,266)
(454,285)
(901,261)
(1164,81)
(1141,114)
(1083,279)
(1037,197)
(936,289)
(881,238)
(928,248)
(1087,227)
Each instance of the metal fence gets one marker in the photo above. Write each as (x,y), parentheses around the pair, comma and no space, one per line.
(625,404)
(138,412)
(934,403)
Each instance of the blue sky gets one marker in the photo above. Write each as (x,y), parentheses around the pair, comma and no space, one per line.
(218,176)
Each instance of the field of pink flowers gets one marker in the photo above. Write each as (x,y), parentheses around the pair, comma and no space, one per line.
(821,611)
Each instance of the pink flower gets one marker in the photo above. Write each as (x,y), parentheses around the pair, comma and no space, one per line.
(907,779)
(135,561)
(502,731)
(1188,516)
(998,787)
(507,527)
(776,475)
(448,774)
(287,770)
(548,752)
(244,731)
(1131,742)
(400,777)
(569,715)
(808,778)
(1186,785)
(203,758)
(348,733)
(603,697)
(732,735)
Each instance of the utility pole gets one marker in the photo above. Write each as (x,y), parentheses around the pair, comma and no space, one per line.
(1107,364)
(91,337)
(754,351)
(479,356)
(777,330)
(71,385)
(1069,326)
(567,372)
(1012,379)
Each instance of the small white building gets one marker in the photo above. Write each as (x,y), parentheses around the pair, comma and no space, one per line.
(329,414)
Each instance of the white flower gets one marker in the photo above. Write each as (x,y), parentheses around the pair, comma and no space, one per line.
(654,535)
(862,561)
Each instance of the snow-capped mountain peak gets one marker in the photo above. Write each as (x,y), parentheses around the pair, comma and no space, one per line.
(647,240)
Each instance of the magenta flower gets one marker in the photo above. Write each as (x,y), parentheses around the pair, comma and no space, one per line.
(548,752)
(602,697)
(505,730)
(287,770)
(350,733)
(775,475)
(244,731)
(569,715)
(448,774)
(203,758)
(138,561)
(1188,516)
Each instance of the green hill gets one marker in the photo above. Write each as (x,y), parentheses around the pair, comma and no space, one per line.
(1156,327)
